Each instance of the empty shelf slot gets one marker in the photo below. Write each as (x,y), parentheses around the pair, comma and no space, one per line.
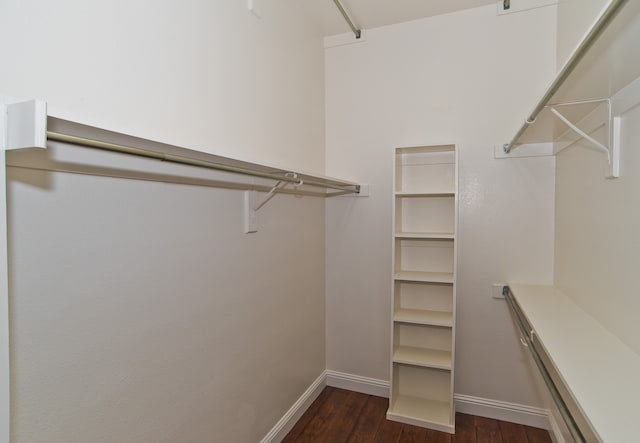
(419,411)
(426,235)
(429,358)
(423,317)
(426,277)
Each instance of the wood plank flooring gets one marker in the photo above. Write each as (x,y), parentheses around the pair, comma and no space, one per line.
(339,416)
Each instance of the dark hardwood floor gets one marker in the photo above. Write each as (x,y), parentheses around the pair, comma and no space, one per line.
(338,416)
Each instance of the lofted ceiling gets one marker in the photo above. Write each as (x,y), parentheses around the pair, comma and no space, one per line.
(368,14)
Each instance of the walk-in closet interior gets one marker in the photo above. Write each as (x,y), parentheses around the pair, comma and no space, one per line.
(213,210)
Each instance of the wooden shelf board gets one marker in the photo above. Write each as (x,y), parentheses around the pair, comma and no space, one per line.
(423,317)
(426,235)
(433,414)
(429,358)
(425,194)
(425,149)
(426,277)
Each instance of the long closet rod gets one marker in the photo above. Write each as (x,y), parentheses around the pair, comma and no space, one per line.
(595,32)
(517,315)
(357,31)
(81,141)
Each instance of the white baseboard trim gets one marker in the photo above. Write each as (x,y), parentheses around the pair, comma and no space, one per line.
(501,410)
(483,407)
(286,423)
(357,383)
(364,385)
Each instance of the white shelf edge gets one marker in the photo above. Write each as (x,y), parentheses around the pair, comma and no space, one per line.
(426,235)
(425,277)
(423,317)
(423,357)
(411,410)
(401,194)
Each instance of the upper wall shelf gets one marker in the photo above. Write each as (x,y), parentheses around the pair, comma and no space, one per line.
(596,84)
(28,125)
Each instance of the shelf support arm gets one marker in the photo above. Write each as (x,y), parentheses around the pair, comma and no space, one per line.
(579,131)
(276,188)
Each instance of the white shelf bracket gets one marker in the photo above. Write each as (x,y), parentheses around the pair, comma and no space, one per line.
(579,131)
(593,121)
(251,208)
(23,125)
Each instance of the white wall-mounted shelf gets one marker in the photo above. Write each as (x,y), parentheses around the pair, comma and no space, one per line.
(592,88)
(424,276)
(598,370)
(423,317)
(430,358)
(412,409)
(426,235)
(424,194)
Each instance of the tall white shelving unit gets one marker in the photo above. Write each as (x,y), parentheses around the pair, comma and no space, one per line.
(424,287)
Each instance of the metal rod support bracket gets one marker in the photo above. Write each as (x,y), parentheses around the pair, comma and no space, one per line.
(276,188)
(23,125)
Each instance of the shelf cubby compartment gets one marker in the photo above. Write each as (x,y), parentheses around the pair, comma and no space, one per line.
(429,168)
(420,345)
(434,255)
(423,276)
(422,397)
(423,303)
(425,216)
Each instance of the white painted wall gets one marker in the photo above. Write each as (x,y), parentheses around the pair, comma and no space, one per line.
(199,74)
(575,17)
(597,240)
(467,78)
(140,312)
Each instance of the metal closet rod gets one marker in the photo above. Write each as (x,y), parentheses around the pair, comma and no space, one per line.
(81,141)
(597,30)
(357,31)
(517,315)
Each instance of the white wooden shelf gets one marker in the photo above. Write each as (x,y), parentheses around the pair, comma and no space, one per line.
(412,410)
(600,372)
(426,235)
(424,194)
(423,317)
(429,358)
(600,70)
(426,277)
